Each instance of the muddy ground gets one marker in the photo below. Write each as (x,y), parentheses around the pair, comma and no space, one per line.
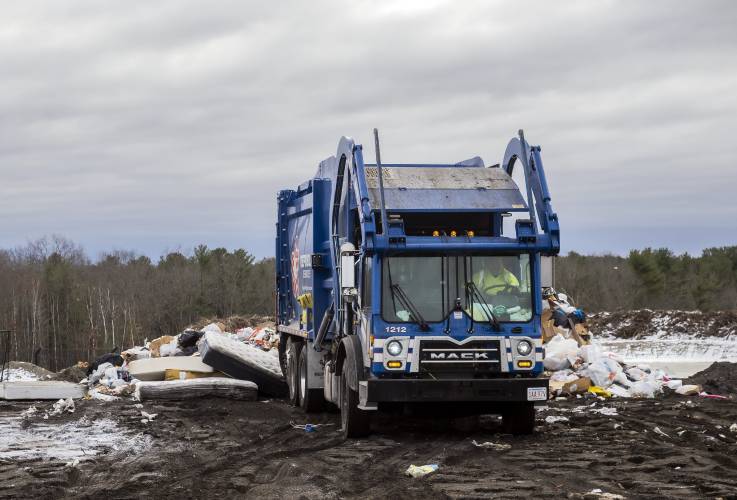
(673,447)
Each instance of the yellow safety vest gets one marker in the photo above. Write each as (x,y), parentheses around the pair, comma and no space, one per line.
(492,284)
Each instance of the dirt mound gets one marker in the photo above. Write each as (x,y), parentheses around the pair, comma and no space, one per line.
(719,378)
(38,371)
(645,322)
(72,374)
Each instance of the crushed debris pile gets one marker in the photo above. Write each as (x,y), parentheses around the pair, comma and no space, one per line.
(174,360)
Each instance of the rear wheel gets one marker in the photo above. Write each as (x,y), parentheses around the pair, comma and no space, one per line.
(355,422)
(293,352)
(311,400)
(519,418)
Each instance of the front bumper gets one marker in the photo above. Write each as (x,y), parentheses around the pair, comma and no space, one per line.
(452,390)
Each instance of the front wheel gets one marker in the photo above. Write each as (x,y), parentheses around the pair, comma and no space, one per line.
(519,418)
(355,422)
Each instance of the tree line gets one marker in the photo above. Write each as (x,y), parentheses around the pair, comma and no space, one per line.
(61,307)
(651,278)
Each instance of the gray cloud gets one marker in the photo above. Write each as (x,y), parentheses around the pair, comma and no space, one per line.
(160,125)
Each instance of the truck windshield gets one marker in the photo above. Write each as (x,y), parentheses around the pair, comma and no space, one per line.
(433,284)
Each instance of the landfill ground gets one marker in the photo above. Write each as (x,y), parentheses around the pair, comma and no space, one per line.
(672,447)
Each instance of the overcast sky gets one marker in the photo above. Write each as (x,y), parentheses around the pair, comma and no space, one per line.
(157,126)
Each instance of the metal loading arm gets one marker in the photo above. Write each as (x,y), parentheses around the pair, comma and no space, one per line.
(538,195)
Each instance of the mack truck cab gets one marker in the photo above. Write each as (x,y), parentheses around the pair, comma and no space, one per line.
(396,286)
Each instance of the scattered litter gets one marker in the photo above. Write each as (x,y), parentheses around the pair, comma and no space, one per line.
(688,390)
(148,416)
(608,411)
(29,412)
(421,470)
(733,428)
(62,406)
(551,419)
(712,396)
(307,427)
(599,493)
(658,431)
(493,446)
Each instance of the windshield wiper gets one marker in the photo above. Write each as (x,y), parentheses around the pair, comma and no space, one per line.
(411,308)
(477,296)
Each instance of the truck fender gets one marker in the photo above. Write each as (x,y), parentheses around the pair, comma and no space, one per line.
(350,352)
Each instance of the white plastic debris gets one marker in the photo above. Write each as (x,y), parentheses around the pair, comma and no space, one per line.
(674,384)
(645,389)
(421,470)
(658,431)
(688,390)
(61,406)
(608,411)
(558,350)
(148,416)
(492,446)
(212,327)
(604,372)
(29,412)
(551,419)
(619,391)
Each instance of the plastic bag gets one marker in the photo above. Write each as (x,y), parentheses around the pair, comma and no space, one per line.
(557,352)
(604,372)
(645,389)
(421,470)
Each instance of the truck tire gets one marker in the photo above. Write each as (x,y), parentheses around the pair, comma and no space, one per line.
(355,422)
(293,351)
(311,400)
(519,419)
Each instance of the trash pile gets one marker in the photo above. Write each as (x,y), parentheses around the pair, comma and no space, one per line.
(170,367)
(250,354)
(575,366)
(578,369)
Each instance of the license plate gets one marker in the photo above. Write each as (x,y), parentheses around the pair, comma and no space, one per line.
(537,394)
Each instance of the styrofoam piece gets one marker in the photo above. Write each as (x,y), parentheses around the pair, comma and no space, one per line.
(197,388)
(244,362)
(47,389)
(154,368)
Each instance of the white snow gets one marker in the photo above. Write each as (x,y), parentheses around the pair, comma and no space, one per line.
(80,439)
(18,375)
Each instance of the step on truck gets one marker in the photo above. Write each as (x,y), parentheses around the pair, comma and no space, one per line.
(397,286)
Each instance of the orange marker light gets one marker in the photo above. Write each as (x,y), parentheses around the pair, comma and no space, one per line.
(436,233)
(525,363)
(453,234)
(394,364)
(470,234)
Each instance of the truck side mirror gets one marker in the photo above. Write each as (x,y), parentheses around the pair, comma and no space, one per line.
(547,271)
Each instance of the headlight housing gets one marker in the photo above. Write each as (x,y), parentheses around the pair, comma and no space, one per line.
(394,348)
(524,347)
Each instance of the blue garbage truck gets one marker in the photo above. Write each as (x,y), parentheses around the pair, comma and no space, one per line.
(398,287)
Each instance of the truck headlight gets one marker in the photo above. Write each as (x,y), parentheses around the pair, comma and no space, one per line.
(524,347)
(394,348)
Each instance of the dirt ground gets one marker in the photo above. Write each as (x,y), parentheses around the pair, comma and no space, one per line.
(673,447)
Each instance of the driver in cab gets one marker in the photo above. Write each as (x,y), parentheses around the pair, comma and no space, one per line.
(494,278)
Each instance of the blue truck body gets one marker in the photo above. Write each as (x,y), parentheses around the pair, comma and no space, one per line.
(396,284)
